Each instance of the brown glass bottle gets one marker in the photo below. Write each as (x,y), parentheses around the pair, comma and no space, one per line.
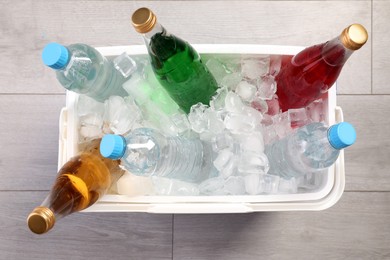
(79,184)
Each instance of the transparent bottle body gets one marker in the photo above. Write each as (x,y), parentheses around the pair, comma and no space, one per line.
(90,73)
(304,77)
(149,153)
(179,69)
(81,181)
(307,150)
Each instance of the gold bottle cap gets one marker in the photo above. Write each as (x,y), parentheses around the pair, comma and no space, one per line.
(143,20)
(354,36)
(40,220)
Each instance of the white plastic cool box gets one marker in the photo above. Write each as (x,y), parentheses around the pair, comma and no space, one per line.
(324,197)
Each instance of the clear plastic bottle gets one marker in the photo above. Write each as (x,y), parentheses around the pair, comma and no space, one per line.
(312,148)
(82,69)
(146,152)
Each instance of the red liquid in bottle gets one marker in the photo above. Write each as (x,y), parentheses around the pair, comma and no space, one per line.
(304,77)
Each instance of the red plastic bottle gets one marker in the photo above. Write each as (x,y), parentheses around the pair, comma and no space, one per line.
(305,76)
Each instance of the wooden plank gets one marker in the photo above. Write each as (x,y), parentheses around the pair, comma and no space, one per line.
(29,140)
(381,51)
(356,228)
(28,25)
(367,161)
(82,235)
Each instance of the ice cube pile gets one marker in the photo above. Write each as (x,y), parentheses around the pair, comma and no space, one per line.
(243,117)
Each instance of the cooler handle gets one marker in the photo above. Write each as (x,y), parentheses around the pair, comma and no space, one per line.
(62,137)
(339,116)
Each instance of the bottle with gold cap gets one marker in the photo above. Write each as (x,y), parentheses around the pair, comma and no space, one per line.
(305,76)
(79,184)
(176,64)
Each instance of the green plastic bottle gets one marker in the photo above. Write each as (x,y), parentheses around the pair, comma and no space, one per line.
(176,64)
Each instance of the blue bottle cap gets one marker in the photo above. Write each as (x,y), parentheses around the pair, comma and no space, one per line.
(55,56)
(341,135)
(112,146)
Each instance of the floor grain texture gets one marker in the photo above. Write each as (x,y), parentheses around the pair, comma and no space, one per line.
(357,227)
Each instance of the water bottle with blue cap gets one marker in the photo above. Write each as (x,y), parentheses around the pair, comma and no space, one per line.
(312,148)
(146,152)
(82,69)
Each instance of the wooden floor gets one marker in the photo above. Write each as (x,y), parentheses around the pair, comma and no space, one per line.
(358,227)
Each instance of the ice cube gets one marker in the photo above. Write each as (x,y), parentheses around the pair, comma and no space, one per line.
(133,185)
(181,122)
(270,135)
(206,136)
(232,63)
(250,162)
(217,102)
(89,132)
(221,141)
(252,182)
(246,91)
(236,123)
(235,185)
(267,120)
(167,126)
(138,89)
(240,123)
(269,183)
(121,114)
(260,105)
(297,117)
(217,69)
(253,68)
(275,64)
(212,186)
(233,103)
(288,186)
(282,125)
(230,81)
(91,120)
(254,114)
(311,180)
(214,121)
(125,64)
(170,125)
(224,156)
(91,127)
(273,105)
(317,111)
(266,87)
(172,187)
(87,105)
(229,168)
(252,142)
(197,118)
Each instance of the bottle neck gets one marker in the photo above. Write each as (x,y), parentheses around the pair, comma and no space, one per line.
(93,147)
(158,28)
(335,53)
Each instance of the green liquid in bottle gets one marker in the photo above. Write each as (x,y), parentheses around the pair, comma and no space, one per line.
(180,71)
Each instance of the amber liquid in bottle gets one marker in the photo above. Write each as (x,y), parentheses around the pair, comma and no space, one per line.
(80,183)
